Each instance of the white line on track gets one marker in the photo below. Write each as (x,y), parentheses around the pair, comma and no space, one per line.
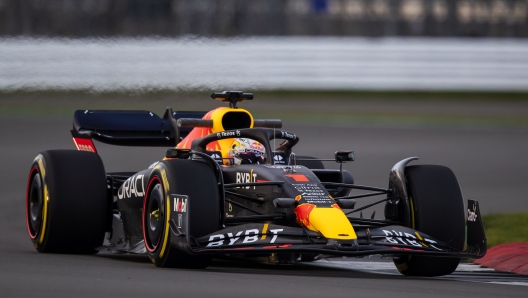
(465,272)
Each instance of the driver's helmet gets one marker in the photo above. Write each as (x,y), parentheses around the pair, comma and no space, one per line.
(247,151)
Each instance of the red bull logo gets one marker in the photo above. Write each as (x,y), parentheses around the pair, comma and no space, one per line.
(257,146)
(330,222)
(302,213)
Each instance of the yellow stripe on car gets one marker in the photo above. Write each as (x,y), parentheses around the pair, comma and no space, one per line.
(42,171)
(332,223)
(264,230)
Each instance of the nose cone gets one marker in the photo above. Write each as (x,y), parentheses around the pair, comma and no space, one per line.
(329,221)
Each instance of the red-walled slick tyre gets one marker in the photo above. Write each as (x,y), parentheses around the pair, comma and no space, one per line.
(66,202)
(194,179)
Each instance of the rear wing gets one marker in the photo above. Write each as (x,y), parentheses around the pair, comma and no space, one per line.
(130,128)
(144,128)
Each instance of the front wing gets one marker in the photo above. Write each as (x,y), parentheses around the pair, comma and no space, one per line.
(259,238)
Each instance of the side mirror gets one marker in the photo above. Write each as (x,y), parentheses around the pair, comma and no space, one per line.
(344,156)
(178,153)
(346,203)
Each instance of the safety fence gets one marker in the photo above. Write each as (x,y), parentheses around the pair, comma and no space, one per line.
(293,63)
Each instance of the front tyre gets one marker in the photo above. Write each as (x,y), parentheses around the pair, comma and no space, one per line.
(194,179)
(66,202)
(437,209)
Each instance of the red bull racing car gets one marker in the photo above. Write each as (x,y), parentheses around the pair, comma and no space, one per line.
(225,189)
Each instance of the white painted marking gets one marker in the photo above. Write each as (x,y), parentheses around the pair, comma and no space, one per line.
(463,272)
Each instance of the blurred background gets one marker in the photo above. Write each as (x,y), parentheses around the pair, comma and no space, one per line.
(85,18)
(445,80)
(475,45)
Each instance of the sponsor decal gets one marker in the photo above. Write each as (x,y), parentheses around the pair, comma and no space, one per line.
(256,146)
(313,193)
(84,145)
(180,221)
(472,215)
(408,239)
(243,237)
(279,159)
(132,186)
(229,210)
(288,135)
(258,153)
(224,134)
(284,168)
(180,204)
(246,178)
(302,212)
(310,189)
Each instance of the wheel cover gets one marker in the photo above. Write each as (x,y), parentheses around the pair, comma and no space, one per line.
(154,217)
(34,203)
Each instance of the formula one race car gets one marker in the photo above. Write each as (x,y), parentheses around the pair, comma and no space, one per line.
(224,191)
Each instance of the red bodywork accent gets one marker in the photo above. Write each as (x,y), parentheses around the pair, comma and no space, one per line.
(278,246)
(298,177)
(155,178)
(404,248)
(285,245)
(179,206)
(302,213)
(84,145)
(200,132)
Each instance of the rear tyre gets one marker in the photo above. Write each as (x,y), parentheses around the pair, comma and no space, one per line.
(66,202)
(437,209)
(194,179)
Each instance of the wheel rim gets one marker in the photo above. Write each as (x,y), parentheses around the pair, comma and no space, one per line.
(35,204)
(154,217)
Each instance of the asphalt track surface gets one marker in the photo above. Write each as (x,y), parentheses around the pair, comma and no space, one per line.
(490,163)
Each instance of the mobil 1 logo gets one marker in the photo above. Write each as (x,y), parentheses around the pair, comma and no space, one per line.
(180,206)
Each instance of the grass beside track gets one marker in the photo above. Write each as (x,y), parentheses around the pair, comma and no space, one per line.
(506,228)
